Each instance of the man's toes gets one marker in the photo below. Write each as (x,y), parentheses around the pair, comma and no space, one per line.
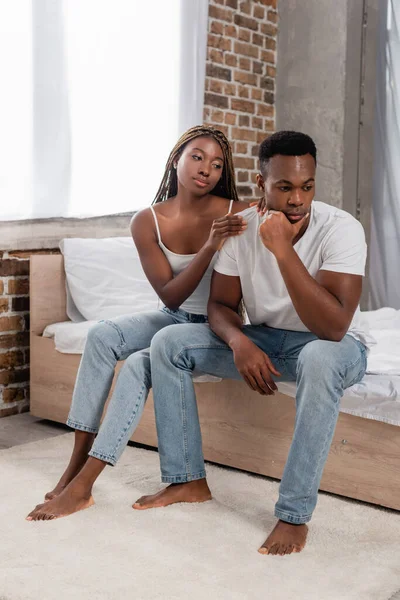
(289,549)
(282,550)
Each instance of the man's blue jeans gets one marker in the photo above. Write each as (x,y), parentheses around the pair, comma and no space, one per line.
(322,370)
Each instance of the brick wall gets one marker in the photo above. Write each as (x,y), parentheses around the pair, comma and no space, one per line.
(240,79)
(239,99)
(14,331)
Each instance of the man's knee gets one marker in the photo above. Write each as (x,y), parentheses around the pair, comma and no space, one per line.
(319,358)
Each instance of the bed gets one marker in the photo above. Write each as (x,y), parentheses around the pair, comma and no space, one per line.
(240,428)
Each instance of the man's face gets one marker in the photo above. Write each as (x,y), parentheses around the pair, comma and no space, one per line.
(288,183)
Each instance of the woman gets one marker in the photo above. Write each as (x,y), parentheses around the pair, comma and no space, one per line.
(177,240)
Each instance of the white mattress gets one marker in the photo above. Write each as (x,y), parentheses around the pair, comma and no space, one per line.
(376,397)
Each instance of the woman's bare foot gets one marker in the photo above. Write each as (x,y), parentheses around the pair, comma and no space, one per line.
(72,499)
(285,539)
(82,445)
(193,491)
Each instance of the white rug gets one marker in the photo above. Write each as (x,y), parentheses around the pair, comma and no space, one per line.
(201,552)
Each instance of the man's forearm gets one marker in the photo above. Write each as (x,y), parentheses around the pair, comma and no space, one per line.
(318,309)
(225,322)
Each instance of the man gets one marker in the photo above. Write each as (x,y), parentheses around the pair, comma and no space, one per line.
(299,271)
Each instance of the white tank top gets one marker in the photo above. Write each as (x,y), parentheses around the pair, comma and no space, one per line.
(197,302)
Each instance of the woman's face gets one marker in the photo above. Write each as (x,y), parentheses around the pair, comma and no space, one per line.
(200,166)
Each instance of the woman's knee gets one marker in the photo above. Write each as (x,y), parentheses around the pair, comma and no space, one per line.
(104,334)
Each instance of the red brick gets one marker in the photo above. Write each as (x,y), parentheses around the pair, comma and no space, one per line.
(261,136)
(215,100)
(1,287)
(267,56)
(14,267)
(13,395)
(14,358)
(244,134)
(241,147)
(257,122)
(246,22)
(246,49)
(269,29)
(259,12)
(15,323)
(269,97)
(244,190)
(272,16)
(265,110)
(4,305)
(18,287)
(230,89)
(217,116)
(230,31)
(220,42)
(231,59)
(256,94)
(217,27)
(214,55)
(20,304)
(244,162)
(242,176)
(14,340)
(215,86)
(7,412)
(244,63)
(230,119)
(28,253)
(244,121)
(217,72)
(245,78)
(267,83)
(257,67)
(271,71)
(258,40)
(269,43)
(269,3)
(244,35)
(245,7)
(243,91)
(14,376)
(220,13)
(232,3)
(242,105)
(269,125)
(254,150)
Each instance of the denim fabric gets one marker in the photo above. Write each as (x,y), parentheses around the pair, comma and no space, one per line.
(322,370)
(124,338)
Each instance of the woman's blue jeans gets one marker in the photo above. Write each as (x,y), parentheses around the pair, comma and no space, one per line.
(124,338)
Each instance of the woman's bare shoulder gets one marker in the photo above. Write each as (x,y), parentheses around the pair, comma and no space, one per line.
(239,206)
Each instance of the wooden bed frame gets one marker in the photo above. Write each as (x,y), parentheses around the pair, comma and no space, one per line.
(240,428)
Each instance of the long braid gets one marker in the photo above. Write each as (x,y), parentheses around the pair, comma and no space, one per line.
(225,188)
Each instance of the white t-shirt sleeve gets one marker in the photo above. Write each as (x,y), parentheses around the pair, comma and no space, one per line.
(344,250)
(226,263)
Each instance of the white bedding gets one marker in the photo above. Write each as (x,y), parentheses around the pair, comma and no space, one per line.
(376,397)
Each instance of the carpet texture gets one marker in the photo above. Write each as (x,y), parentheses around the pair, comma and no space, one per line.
(206,551)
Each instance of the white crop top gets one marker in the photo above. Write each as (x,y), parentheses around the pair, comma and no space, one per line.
(197,302)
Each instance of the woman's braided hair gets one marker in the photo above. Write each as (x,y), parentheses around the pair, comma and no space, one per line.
(225,188)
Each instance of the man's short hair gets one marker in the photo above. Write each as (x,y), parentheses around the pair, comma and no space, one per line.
(288,143)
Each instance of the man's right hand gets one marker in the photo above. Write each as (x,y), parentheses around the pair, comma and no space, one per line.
(255,367)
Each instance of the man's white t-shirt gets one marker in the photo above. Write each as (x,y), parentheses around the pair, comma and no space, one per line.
(333,241)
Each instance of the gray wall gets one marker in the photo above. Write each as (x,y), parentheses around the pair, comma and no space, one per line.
(326,88)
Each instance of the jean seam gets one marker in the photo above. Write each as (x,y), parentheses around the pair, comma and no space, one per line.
(130,420)
(77,425)
(198,347)
(103,457)
(184,425)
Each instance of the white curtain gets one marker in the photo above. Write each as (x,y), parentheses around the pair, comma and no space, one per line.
(115,82)
(385,233)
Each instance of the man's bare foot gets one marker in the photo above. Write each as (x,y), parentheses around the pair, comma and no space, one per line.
(193,491)
(72,499)
(285,539)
